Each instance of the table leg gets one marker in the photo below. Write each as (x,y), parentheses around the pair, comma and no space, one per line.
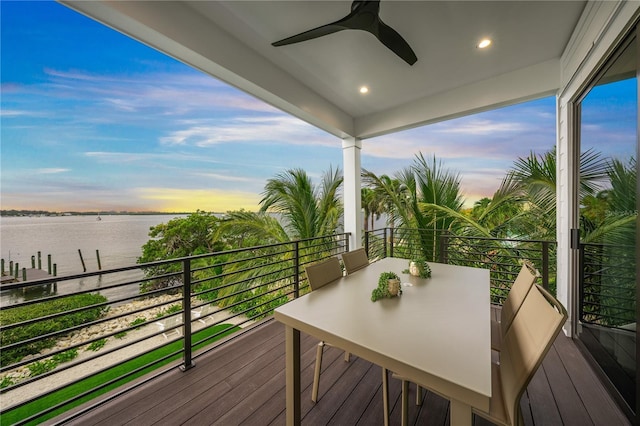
(385,396)
(460,413)
(292,344)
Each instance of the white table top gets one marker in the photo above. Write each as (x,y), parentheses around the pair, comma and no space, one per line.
(437,332)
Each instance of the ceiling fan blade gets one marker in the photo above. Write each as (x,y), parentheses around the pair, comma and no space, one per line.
(349,22)
(394,41)
(364,16)
(311,34)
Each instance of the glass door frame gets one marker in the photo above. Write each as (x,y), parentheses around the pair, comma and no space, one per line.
(576,111)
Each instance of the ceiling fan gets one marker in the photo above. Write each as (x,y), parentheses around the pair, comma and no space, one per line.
(364,16)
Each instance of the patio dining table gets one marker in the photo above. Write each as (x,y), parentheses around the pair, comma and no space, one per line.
(437,332)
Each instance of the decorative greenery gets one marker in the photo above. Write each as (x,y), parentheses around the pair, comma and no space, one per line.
(424,270)
(382,290)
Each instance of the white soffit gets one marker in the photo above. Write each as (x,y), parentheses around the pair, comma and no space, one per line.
(318,80)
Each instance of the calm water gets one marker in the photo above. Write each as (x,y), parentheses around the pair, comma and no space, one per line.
(119,240)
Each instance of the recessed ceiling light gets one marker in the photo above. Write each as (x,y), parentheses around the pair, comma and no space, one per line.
(364,89)
(484,43)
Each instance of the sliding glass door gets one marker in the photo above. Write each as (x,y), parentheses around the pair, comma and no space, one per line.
(608,197)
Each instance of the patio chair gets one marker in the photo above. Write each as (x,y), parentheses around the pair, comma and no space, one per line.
(166,325)
(201,313)
(355,260)
(519,290)
(530,336)
(319,275)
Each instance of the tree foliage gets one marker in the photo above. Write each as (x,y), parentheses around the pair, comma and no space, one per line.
(180,237)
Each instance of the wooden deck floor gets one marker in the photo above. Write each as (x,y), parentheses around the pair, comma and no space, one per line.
(243,382)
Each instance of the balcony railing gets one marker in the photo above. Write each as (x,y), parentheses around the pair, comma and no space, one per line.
(501,256)
(158,315)
(118,324)
(608,285)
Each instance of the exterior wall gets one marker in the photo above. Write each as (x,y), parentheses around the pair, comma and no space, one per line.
(351,185)
(601,28)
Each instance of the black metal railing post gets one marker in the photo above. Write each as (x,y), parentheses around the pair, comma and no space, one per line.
(545,265)
(296,270)
(444,243)
(366,243)
(390,242)
(384,243)
(186,315)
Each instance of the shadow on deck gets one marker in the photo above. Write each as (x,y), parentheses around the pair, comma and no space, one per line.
(243,382)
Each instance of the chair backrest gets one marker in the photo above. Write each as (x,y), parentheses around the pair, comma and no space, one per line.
(354,260)
(519,290)
(322,273)
(531,335)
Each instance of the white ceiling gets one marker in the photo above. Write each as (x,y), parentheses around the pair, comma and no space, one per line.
(318,80)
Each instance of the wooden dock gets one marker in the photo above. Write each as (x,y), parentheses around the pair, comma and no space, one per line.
(31,273)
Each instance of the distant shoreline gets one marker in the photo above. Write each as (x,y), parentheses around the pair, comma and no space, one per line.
(32,213)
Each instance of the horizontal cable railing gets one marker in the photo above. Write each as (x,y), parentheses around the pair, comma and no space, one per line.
(92,332)
(607,289)
(126,322)
(501,256)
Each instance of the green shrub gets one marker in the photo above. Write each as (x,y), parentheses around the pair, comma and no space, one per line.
(40,367)
(138,321)
(39,328)
(65,356)
(97,345)
(172,309)
(6,382)
(120,335)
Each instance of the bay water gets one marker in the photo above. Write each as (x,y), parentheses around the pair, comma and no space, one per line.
(118,239)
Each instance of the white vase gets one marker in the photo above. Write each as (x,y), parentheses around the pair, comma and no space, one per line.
(413,269)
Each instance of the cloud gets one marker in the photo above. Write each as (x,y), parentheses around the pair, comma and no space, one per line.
(48,171)
(481,127)
(281,129)
(196,92)
(15,113)
(227,178)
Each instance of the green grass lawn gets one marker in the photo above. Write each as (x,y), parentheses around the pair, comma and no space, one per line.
(24,412)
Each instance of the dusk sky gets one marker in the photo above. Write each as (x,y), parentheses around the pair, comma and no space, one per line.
(93,120)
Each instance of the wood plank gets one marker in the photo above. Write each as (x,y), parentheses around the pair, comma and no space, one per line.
(597,402)
(242,382)
(433,411)
(570,406)
(544,410)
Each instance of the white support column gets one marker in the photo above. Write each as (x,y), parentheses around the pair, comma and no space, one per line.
(351,190)
(566,190)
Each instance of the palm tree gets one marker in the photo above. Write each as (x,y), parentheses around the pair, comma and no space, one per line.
(307,210)
(535,176)
(292,208)
(367,196)
(421,196)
